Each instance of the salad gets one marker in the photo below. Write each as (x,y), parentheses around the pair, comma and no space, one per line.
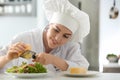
(28,68)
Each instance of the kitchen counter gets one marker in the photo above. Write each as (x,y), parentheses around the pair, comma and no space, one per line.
(59,76)
(111,68)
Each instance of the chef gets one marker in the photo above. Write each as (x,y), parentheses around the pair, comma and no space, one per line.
(57,44)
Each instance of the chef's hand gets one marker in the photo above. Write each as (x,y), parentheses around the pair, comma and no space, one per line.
(44,58)
(15,50)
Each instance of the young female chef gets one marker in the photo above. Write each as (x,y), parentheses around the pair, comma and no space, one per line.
(57,44)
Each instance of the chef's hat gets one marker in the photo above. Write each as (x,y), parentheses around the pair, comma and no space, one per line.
(64,13)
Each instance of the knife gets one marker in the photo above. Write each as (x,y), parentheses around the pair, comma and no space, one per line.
(28,54)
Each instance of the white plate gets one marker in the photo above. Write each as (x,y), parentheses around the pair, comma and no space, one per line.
(89,73)
(27,75)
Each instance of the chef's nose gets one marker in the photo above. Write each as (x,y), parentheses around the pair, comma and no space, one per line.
(58,37)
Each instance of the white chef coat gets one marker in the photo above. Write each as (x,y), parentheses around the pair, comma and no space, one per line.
(70,51)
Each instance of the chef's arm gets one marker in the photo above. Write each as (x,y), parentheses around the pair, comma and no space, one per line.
(3,61)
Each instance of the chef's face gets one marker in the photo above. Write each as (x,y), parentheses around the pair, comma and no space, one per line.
(57,35)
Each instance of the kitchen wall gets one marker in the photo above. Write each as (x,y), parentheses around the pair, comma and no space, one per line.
(12,25)
(109,31)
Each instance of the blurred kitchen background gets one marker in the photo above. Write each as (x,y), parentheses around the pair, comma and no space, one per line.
(17,16)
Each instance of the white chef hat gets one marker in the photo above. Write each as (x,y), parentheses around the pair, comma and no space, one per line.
(64,13)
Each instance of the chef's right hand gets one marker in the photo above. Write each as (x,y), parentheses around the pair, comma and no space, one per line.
(15,50)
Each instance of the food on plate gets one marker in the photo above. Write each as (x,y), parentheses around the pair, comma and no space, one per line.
(28,68)
(78,70)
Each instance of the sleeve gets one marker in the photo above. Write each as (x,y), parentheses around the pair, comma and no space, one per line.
(22,37)
(74,58)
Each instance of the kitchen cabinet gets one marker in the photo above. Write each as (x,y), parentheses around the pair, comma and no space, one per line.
(18,7)
(111,68)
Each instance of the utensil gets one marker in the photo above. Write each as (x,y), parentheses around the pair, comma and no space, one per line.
(28,54)
(114,12)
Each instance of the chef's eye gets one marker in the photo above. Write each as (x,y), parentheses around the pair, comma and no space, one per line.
(56,30)
(66,36)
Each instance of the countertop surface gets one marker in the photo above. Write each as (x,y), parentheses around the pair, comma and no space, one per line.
(61,76)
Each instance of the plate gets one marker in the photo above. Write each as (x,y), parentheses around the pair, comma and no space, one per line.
(27,75)
(89,73)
